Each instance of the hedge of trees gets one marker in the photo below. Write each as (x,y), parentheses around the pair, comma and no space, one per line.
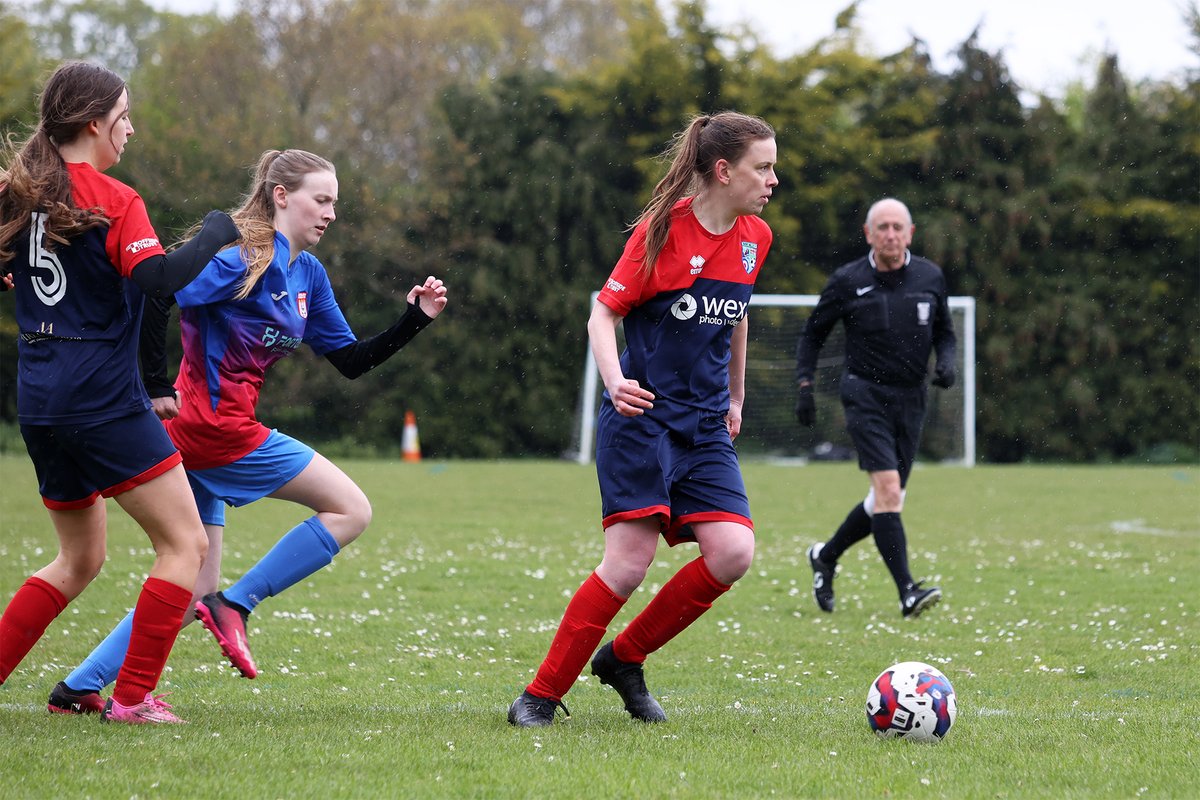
(505,145)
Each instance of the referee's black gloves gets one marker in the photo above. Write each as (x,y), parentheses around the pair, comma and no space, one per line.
(943,375)
(806,407)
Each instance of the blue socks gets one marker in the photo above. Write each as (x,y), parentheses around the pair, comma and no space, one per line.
(302,551)
(100,668)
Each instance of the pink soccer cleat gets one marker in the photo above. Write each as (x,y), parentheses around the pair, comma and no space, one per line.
(227,623)
(152,710)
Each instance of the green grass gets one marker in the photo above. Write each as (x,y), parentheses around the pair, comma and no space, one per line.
(1070,631)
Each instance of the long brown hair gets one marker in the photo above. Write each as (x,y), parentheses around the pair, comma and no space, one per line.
(255,217)
(706,139)
(36,178)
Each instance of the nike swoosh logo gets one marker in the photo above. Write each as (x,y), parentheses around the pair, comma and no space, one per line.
(278,297)
(863,290)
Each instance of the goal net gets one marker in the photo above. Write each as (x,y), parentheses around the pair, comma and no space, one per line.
(769,428)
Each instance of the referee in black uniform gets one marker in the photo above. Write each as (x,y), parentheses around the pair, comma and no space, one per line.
(893,306)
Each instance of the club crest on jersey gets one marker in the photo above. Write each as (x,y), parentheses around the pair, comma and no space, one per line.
(749,256)
(923,313)
(302,304)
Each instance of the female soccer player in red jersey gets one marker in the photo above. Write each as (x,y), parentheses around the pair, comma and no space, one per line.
(78,250)
(252,306)
(664,441)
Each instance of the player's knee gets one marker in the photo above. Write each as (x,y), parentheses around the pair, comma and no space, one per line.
(82,566)
(352,518)
(733,561)
(361,513)
(200,548)
(623,575)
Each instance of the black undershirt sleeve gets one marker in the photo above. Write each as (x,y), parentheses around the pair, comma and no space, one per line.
(364,355)
(163,276)
(152,346)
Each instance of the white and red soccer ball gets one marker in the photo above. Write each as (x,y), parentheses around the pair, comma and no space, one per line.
(911,700)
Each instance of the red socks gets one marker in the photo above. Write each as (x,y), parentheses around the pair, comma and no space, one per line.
(583,625)
(157,618)
(33,608)
(678,604)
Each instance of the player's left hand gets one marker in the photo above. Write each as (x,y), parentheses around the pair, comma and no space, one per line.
(165,407)
(943,375)
(6,282)
(733,420)
(431,296)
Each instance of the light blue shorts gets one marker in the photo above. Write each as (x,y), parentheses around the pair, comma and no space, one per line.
(252,477)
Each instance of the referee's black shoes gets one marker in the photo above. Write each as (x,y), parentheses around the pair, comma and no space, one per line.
(822,578)
(917,600)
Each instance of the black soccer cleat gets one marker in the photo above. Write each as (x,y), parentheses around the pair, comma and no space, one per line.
(822,578)
(917,600)
(630,682)
(65,700)
(531,711)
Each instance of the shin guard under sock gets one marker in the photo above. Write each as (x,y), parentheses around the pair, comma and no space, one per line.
(301,551)
(889,538)
(678,604)
(157,618)
(25,619)
(855,528)
(583,626)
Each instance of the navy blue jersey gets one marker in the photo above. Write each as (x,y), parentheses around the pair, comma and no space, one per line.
(679,322)
(892,321)
(77,311)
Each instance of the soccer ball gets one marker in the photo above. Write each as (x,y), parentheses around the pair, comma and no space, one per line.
(911,700)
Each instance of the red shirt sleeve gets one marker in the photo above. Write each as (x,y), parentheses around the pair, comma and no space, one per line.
(131,237)
(627,283)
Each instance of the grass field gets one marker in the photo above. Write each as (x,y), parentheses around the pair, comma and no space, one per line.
(1070,630)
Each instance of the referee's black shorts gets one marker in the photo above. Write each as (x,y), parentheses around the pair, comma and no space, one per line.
(884,422)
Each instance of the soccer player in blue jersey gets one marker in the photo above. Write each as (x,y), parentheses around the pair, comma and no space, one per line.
(893,306)
(80,255)
(664,439)
(252,306)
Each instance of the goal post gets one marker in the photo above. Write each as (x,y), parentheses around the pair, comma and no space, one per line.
(769,428)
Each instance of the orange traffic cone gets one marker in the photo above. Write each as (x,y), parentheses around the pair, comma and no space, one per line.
(410,443)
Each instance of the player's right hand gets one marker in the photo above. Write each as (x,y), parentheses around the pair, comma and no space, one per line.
(806,406)
(630,399)
(6,282)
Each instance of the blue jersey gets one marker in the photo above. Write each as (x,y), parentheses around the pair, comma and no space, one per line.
(77,312)
(228,346)
(679,321)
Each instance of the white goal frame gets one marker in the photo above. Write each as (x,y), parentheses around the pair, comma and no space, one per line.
(590,390)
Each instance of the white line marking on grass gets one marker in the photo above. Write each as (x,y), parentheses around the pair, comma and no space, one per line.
(1140,526)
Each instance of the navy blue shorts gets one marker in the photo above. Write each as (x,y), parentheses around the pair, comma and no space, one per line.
(646,469)
(885,424)
(77,463)
(252,477)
